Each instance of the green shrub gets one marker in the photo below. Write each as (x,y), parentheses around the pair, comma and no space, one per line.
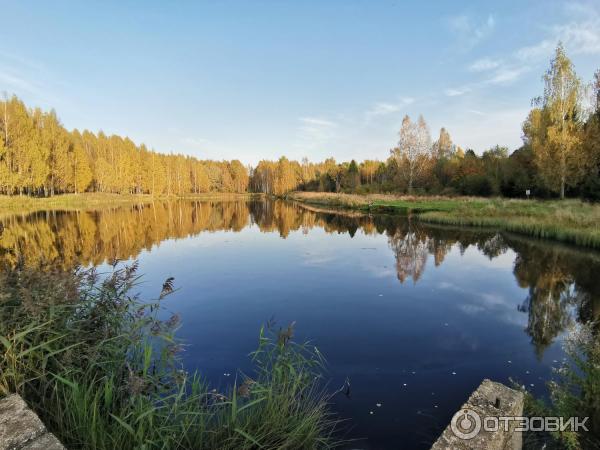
(477,185)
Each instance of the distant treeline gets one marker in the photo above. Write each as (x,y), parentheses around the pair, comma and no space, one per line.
(38,156)
(560,156)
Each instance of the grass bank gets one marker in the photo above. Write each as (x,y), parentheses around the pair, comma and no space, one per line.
(571,221)
(19,204)
(103,372)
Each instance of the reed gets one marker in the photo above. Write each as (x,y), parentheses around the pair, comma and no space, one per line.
(574,392)
(104,372)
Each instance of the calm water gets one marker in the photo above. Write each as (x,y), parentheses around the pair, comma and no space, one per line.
(414,316)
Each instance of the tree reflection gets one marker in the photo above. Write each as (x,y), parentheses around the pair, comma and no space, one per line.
(547,302)
(556,287)
(411,247)
(560,280)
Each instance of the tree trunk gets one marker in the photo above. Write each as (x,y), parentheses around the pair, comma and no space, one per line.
(563,174)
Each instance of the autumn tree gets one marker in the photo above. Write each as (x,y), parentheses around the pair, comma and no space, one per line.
(553,128)
(79,164)
(7,174)
(413,150)
(332,175)
(239,174)
(285,176)
(368,169)
(591,146)
(443,148)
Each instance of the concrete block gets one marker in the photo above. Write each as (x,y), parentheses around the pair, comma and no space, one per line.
(21,428)
(490,399)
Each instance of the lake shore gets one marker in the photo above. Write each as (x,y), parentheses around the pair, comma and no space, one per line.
(17,204)
(571,221)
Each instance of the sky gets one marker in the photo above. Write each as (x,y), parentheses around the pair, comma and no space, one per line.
(254,80)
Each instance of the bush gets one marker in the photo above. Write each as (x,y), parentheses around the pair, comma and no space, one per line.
(448,192)
(478,185)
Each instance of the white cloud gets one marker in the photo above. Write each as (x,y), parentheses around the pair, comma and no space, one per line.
(476,112)
(482,130)
(317,122)
(537,51)
(456,92)
(581,35)
(506,75)
(22,62)
(384,108)
(195,142)
(469,32)
(315,131)
(380,109)
(25,77)
(12,68)
(17,82)
(484,64)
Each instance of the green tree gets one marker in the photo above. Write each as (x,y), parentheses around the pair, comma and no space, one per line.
(494,161)
(352,176)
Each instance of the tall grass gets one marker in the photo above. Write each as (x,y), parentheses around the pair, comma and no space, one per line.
(104,372)
(575,392)
(570,221)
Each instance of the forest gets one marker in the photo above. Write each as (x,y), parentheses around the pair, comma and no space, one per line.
(560,157)
(39,157)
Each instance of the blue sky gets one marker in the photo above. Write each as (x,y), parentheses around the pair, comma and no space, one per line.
(258,79)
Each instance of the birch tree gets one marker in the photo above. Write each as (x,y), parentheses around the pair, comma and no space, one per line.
(557,152)
(413,150)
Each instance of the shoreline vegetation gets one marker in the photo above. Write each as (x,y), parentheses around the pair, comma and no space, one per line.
(17,204)
(103,371)
(571,221)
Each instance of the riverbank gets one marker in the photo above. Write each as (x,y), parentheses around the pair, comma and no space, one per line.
(25,204)
(571,221)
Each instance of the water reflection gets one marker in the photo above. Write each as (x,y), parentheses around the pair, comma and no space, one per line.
(560,280)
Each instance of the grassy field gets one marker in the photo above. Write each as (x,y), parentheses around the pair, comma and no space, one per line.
(571,221)
(19,204)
